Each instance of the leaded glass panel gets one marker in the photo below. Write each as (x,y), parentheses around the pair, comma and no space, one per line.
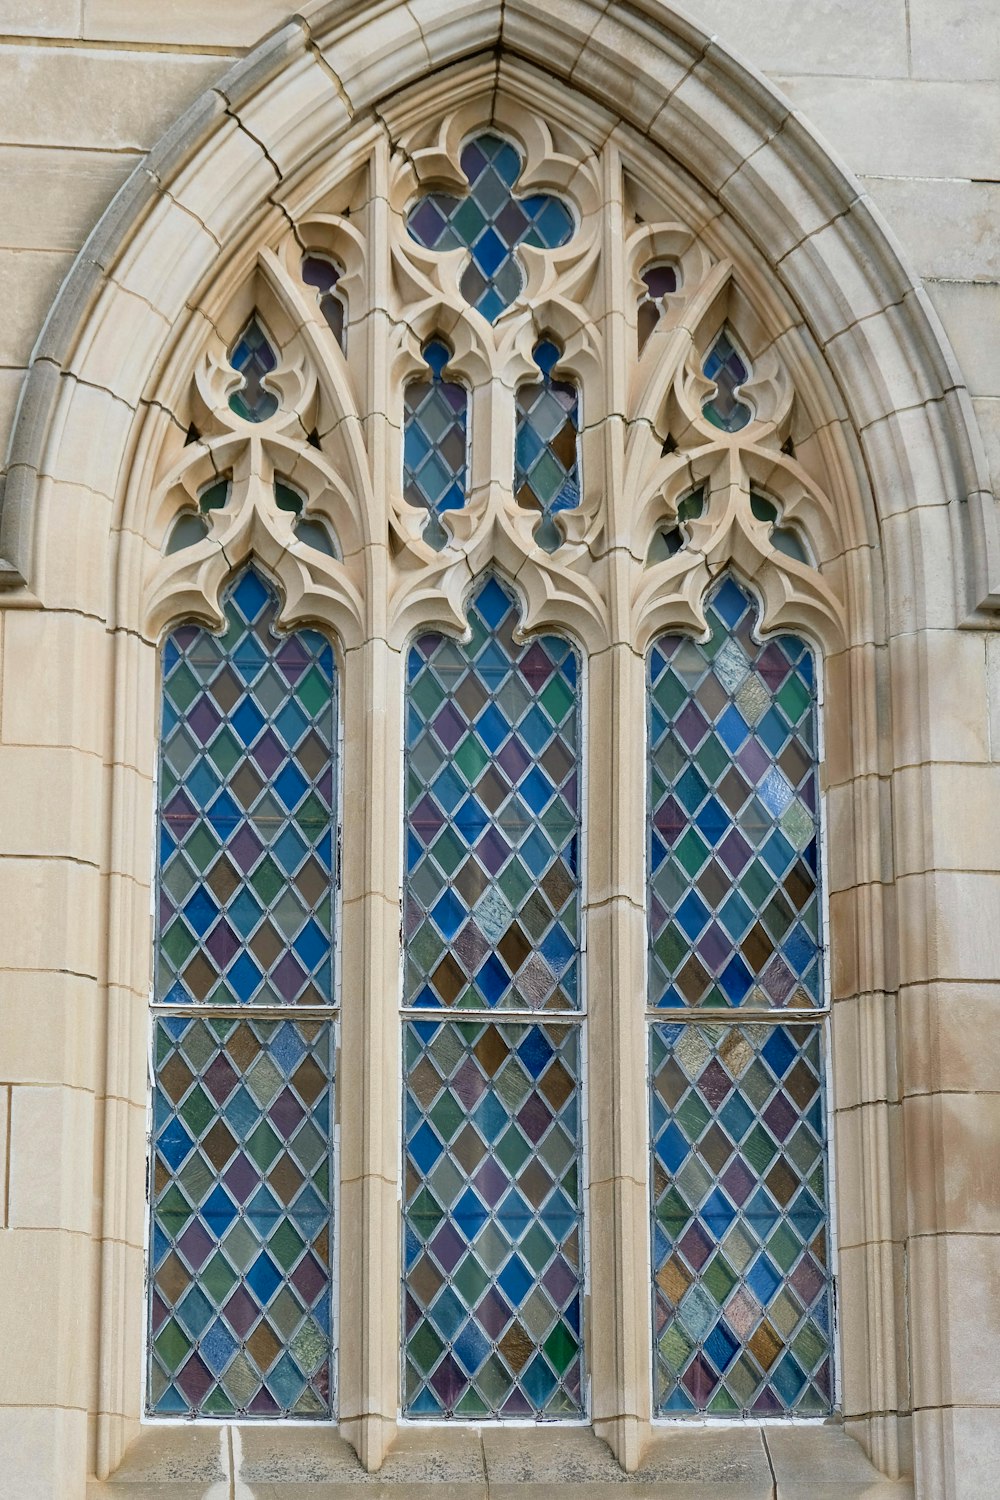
(741,1266)
(493,1278)
(741,1263)
(727,367)
(435,443)
(492,904)
(546,457)
(659,279)
(490,222)
(254,358)
(246,811)
(239,1287)
(241,1185)
(734,909)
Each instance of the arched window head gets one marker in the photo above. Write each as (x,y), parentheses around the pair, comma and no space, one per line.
(435,442)
(320,272)
(742,1317)
(660,279)
(490,222)
(546,457)
(254,357)
(726,366)
(492,1296)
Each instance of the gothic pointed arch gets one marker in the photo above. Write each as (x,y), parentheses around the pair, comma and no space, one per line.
(790,415)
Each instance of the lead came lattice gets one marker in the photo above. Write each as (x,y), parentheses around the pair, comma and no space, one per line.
(741,1291)
(492,1279)
(239,1295)
(734,913)
(490,222)
(492,847)
(246,811)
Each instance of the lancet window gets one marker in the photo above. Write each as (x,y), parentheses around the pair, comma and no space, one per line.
(510,430)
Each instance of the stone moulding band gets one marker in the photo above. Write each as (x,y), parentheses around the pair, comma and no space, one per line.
(881,336)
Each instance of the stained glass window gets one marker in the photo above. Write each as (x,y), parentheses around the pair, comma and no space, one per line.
(546,460)
(659,280)
(320,272)
(493,1267)
(240,1255)
(254,357)
(727,367)
(490,222)
(741,1297)
(435,442)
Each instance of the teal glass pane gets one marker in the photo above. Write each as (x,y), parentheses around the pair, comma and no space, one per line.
(435,443)
(492,1257)
(240,1193)
(546,461)
(254,358)
(246,813)
(740,1247)
(491,886)
(727,368)
(490,222)
(734,913)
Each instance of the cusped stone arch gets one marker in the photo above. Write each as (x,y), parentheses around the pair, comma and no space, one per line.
(673,147)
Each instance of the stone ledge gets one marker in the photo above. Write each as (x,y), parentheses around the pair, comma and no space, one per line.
(189,1462)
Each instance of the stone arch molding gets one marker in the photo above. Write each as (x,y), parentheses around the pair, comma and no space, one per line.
(666,147)
(307,95)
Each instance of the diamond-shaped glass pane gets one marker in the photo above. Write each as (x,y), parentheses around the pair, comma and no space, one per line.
(740,1245)
(246,811)
(734,904)
(241,1188)
(492,832)
(490,223)
(492,1284)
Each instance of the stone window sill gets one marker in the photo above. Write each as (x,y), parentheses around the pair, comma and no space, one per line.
(682,1463)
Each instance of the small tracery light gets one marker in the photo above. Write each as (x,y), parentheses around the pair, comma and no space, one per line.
(660,280)
(323,274)
(254,357)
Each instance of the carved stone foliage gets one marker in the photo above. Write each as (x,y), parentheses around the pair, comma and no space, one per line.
(673,455)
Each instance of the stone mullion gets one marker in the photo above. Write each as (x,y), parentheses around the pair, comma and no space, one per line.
(368,1090)
(368,1101)
(618,1207)
(619,1350)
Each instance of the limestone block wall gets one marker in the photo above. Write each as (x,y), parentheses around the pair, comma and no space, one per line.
(907,94)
